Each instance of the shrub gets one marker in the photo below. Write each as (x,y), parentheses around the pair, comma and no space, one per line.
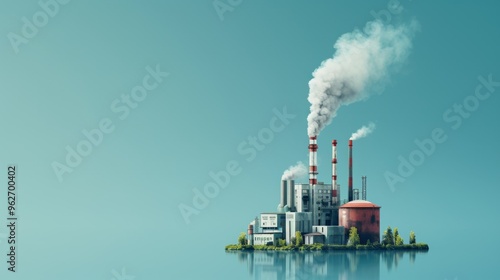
(242,239)
(388,237)
(399,241)
(281,242)
(362,247)
(298,238)
(412,237)
(318,247)
(353,237)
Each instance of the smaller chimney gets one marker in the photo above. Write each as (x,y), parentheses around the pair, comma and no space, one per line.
(363,189)
(283,188)
(291,195)
(250,235)
(313,166)
(334,173)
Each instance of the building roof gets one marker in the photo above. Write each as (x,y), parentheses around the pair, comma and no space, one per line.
(360,204)
(313,234)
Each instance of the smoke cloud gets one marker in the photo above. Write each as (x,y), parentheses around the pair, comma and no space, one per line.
(295,171)
(363,131)
(361,60)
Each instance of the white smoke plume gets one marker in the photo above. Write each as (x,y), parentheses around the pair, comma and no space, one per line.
(295,171)
(361,60)
(363,131)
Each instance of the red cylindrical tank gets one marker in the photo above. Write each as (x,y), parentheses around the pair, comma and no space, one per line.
(363,215)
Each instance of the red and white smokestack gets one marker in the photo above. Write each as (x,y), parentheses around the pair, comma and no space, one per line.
(334,173)
(313,166)
(350,170)
(250,235)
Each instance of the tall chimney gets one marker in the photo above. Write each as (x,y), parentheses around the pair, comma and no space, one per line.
(283,200)
(334,173)
(313,166)
(291,195)
(350,170)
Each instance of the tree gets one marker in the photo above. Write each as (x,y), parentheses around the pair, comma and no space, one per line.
(368,242)
(388,237)
(281,242)
(353,237)
(412,237)
(298,238)
(242,239)
(398,240)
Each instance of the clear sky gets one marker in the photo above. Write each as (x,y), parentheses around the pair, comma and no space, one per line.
(231,75)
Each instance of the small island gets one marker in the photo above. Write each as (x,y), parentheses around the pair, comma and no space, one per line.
(312,216)
(390,241)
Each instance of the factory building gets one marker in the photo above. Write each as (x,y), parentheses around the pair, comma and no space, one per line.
(272,222)
(332,234)
(315,210)
(317,200)
(297,221)
(314,237)
(266,238)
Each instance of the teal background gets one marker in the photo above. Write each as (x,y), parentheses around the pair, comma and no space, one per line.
(120,206)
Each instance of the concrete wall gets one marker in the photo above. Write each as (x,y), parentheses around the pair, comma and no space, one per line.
(322,205)
(333,234)
(310,239)
(297,221)
(308,199)
(265,238)
(302,198)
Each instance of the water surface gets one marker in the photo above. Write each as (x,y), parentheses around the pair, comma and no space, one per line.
(327,265)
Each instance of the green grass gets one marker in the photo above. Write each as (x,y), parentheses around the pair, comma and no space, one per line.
(323,247)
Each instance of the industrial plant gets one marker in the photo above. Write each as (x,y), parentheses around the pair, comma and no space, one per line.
(315,210)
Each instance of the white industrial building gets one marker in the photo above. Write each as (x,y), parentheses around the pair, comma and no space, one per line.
(266,238)
(304,208)
(297,221)
(333,234)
